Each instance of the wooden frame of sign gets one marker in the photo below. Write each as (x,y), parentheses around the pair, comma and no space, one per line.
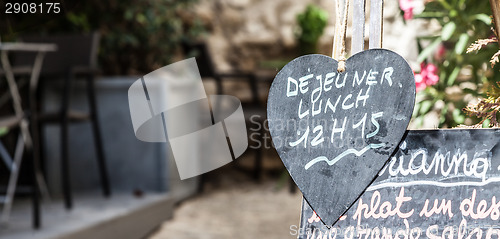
(438,184)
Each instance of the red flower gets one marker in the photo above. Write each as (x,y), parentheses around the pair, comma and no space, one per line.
(440,53)
(419,82)
(427,76)
(407,7)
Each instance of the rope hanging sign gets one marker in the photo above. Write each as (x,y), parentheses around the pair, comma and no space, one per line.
(342,27)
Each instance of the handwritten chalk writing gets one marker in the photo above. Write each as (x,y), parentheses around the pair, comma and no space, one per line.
(432,183)
(340,85)
(444,207)
(319,137)
(315,105)
(384,210)
(464,209)
(362,97)
(309,87)
(328,81)
(303,82)
(338,130)
(302,114)
(290,92)
(462,231)
(342,155)
(361,122)
(406,232)
(330,106)
(361,232)
(347,106)
(356,78)
(371,80)
(375,123)
(318,234)
(303,138)
(314,218)
(443,163)
(356,125)
(314,100)
(387,74)
(301,86)
(468,205)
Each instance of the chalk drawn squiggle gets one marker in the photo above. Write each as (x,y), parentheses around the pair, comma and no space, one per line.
(433,183)
(340,156)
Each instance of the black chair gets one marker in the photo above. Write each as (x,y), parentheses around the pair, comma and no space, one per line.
(251,108)
(76,58)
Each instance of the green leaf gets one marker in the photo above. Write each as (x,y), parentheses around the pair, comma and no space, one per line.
(482,17)
(419,121)
(425,106)
(469,91)
(429,15)
(3,131)
(453,76)
(428,50)
(442,116)
(415,110)
(462,43)
(458,116)
(486,123)
(448,31)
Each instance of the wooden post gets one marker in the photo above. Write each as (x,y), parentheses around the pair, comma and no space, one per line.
(495,9)
(376,24)
(358,26)
(337,40)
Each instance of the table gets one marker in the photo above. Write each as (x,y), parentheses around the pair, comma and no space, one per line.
(31,142)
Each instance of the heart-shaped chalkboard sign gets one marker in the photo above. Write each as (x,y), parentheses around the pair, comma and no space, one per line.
(335,131)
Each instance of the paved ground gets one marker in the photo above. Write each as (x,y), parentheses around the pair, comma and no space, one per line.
(235,206)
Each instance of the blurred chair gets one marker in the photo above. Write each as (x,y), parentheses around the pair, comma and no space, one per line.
(76,58)
(9,122)
(254,107)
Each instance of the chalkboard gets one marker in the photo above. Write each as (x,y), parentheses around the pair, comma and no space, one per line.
(334,131)
(438,184)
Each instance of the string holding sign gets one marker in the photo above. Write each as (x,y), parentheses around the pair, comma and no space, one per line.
(340,32)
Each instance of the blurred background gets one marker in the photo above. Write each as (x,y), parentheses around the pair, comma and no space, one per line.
(72,166)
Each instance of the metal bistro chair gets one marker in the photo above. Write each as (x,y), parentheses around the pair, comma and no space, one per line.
(13,163)
(76,58)
(20,120)
(251,108)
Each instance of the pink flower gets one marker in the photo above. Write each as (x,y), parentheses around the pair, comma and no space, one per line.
(407,7)
(419,82)
(440,53)
(427,76)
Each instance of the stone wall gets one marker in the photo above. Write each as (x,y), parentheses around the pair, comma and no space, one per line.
(245,32)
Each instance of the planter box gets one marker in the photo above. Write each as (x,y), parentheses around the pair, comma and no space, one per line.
(132,164)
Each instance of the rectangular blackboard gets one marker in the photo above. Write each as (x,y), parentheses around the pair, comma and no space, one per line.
(438,184)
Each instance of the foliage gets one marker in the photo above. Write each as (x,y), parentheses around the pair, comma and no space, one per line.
(487,109)
(137,36)
(3,131)
(312,23)
(460,75)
